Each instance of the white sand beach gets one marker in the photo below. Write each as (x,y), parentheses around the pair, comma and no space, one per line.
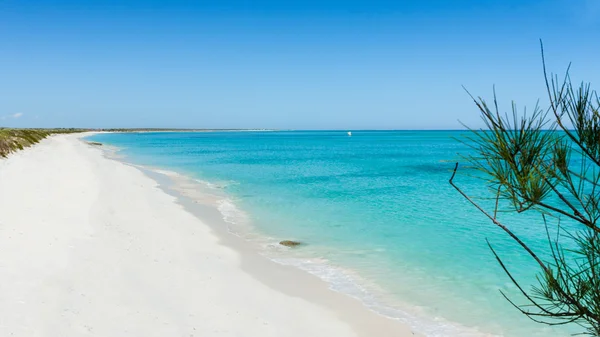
(90,246)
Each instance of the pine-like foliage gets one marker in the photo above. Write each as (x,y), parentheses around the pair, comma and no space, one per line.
(548,161)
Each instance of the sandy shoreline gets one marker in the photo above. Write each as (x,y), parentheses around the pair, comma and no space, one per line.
(91,246)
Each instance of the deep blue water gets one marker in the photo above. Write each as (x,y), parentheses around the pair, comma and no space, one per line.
(376,207)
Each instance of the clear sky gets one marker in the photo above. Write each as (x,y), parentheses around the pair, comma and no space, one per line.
(283,64)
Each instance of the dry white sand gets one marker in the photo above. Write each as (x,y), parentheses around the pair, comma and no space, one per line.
(92,247)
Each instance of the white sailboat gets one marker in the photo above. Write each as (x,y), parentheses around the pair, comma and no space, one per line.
(349,134)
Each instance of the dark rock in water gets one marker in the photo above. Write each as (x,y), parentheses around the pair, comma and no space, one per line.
(95,143)
(289,243)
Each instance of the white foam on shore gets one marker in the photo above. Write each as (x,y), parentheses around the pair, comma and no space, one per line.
(231,213)
(350,283)
(211,194)
(165,172)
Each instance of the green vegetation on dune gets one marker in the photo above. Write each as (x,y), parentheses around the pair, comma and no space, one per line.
(12,140)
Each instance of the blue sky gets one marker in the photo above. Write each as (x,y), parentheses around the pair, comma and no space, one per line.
(282,64)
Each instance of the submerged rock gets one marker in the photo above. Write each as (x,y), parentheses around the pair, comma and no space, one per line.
(289,243)
(95,143)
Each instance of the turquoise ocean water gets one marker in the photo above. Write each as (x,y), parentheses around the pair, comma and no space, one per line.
(379,219)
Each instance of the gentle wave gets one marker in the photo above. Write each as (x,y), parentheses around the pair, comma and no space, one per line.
(350,283)
(231,213)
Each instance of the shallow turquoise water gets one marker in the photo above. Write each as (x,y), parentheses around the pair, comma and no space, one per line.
(376,206)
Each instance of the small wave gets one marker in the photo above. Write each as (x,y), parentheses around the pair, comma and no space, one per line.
(216,185)
(349,283)
(208,184)
(231,213)
(166,172)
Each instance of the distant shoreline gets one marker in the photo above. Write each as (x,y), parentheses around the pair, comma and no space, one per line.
(76,130)
(184,130)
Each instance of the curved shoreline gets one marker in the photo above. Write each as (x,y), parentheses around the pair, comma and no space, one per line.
(195,202)
(248,247)
(94,246)
(290,280)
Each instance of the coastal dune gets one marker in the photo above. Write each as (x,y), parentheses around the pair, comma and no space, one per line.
(92,247)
